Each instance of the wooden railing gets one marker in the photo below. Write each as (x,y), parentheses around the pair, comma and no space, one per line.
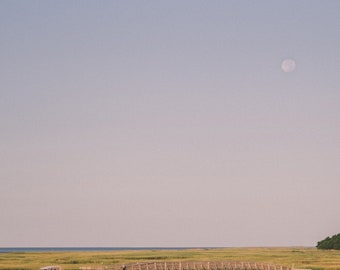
(203,265)
(226,265)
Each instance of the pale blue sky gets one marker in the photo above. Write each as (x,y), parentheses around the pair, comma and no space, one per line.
(169,123)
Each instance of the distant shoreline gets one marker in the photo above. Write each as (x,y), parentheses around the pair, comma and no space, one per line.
(98,249)
(91,249)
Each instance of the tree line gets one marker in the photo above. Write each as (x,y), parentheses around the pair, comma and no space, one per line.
(330,242)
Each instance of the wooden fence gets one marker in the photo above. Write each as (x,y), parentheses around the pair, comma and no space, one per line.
(220,265)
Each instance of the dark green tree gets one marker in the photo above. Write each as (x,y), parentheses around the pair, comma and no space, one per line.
(330,242)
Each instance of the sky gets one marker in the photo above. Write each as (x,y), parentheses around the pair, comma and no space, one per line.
(169,123)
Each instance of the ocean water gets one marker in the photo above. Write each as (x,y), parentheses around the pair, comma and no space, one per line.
(70,249)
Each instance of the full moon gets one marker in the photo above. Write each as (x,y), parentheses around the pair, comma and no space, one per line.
(288,65)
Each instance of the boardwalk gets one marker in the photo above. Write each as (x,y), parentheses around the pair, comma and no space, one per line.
(227,265)
(203,265)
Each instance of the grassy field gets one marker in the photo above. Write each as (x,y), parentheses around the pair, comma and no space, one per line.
(299,257)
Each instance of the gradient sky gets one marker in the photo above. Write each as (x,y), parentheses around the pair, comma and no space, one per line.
(169,123)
